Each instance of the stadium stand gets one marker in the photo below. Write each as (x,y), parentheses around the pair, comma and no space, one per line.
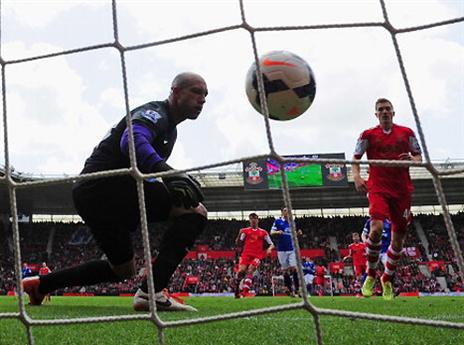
(209,268)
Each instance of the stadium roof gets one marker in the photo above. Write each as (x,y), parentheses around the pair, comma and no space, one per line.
(224,192)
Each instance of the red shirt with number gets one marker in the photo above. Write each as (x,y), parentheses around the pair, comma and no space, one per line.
(358,253)
(43,271)
(378,143)
(254,241)
(320,272)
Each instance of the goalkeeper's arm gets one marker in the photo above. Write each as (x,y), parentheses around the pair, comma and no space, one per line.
(184,189)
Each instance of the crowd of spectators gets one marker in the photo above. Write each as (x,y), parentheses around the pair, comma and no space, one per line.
(67,244)
(437,235)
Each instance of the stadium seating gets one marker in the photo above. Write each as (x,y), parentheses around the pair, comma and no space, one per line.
(68,244)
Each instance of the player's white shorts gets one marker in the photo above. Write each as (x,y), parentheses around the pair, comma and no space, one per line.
(308,278)
(287,259)
(383,258)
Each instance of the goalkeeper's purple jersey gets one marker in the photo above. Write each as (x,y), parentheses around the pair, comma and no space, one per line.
(154,138)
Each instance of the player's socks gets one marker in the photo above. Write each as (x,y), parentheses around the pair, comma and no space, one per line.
(288,283)
(175,244)
(93,272)
(247,284)
(392,261)
(296,281)
(373,251)
(240,276)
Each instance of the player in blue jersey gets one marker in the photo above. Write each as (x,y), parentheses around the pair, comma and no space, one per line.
(110,205)
(26,271)
(281,233)
(385,241)
(309,270)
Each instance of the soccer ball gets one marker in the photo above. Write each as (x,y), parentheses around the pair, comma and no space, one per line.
(289,85)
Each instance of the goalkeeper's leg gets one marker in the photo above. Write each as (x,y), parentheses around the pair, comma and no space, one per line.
(114,240)
(178,239)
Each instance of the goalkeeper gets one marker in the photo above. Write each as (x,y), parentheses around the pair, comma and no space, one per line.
(110,207)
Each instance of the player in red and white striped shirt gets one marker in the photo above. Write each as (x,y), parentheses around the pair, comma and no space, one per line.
(389,190)
(253,252)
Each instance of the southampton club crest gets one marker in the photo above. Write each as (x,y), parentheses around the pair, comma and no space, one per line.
(253,171)
(335,172)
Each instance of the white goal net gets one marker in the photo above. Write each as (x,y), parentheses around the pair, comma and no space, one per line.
(115,44)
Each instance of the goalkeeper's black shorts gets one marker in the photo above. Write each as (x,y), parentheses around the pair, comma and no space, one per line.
(109,206)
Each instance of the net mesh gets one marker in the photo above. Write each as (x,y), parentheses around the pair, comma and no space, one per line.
(13,186)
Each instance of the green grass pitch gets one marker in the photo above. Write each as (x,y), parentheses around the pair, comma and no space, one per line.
(290,327)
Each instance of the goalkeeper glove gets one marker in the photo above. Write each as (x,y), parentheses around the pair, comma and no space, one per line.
(184,189)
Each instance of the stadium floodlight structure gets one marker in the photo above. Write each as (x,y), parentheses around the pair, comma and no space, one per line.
(161,325)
